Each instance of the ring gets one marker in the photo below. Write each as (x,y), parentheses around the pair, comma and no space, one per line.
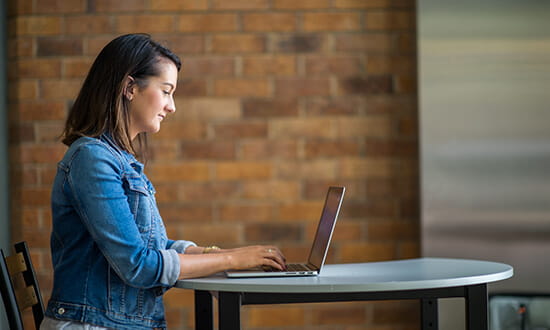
(269,250)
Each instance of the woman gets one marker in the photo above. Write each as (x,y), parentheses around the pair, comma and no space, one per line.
(112,260)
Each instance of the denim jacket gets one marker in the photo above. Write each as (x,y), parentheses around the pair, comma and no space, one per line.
(111,257)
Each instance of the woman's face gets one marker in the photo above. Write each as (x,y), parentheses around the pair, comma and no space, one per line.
(149,105)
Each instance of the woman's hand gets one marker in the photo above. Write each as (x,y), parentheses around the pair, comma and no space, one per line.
(194,263)
(253,256)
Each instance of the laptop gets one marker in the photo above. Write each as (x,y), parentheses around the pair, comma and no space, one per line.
(319,248)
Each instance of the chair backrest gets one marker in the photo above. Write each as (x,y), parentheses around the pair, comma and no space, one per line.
(19,287)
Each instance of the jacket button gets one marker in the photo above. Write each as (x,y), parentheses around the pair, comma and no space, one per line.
(61,311)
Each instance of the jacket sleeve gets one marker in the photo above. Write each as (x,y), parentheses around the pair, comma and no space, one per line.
(95,185)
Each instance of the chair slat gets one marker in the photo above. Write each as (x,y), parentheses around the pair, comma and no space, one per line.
(16,263)
(26,297)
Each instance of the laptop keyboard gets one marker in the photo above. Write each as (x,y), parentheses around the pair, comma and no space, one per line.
(289,268)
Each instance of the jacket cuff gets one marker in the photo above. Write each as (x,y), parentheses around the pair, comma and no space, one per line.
(181,245)
(171,269)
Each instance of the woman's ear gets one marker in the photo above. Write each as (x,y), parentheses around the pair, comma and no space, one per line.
(129,88)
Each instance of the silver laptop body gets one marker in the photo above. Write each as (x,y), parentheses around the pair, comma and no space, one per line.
(319,248)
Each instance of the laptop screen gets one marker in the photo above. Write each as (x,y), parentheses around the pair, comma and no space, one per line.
(326,226)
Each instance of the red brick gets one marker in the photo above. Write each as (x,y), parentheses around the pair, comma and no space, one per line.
(337,65)
(373,208)
(384,64)
(183,44)
(60,88)
(269,22)
(303,4)
(304,170)
(346,313)
(192,87)
(371,42)
(242,87)
(46,174)
(265,233)
(209,191)
(241,130)
(389,20)
(19,133)
(20,7)
(109,6)
(60,6)
(370,126)
(76,67)
(286,316)
(35,196)
(302,127)
(276,65)
(240,4)
(268,149)
(221,234)
(384,312)
(300,211)
(172,129)
(319,149)
(366,252)
(381,84)
(163,150)
(38,68)
(246,213)
(88,24)
(37,25)
(271,190)
(362,168)
(48,131)
(94,44)
(171,5)
(149,23)
(266,108)
(23,89)
(238,43)
(334,106)
(208,109)
(295,87)
(392,230)
(55,46)
(42,154)
(243,170)
(41,110)
(347,231)
(208,150)
(176,214)
(330,21)
(196,171)
(208,66)
(299,43)
(358,4)
(207,23)
(21,47)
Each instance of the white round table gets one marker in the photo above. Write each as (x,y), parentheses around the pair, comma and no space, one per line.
(427,279)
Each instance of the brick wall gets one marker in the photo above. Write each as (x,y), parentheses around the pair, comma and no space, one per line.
(277,100)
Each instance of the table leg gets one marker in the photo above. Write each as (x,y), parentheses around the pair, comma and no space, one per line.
(204,312)
(429,314)
(476,307)
(229,310)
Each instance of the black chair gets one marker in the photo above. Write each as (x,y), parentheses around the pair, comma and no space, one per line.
(19,287)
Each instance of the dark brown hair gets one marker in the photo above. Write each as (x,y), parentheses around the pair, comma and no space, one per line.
(101,106)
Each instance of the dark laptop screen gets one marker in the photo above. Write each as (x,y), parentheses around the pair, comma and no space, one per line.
(326,226)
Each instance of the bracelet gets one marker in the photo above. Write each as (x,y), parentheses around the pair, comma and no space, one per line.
(209,249)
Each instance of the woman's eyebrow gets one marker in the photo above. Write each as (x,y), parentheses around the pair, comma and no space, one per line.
(168,84)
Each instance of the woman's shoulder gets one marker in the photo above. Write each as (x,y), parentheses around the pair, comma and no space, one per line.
(91,149)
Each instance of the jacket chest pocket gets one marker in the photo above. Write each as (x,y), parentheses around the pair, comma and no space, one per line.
(140,200)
